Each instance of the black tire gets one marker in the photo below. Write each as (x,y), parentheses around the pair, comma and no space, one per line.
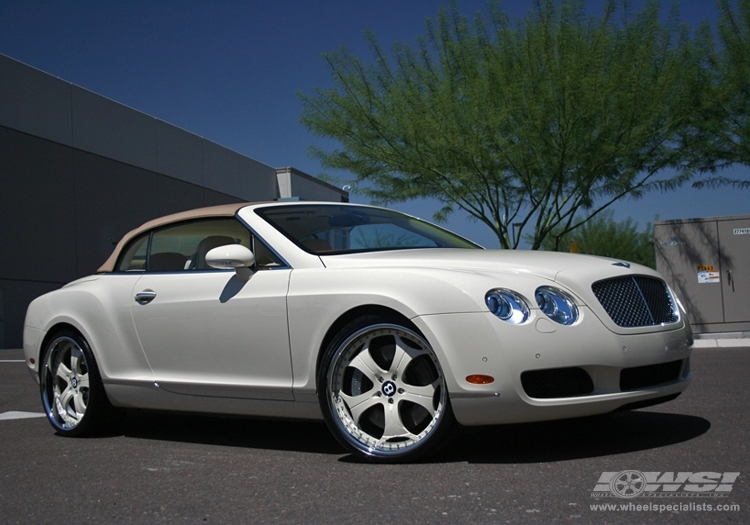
(72,392)
(382,391)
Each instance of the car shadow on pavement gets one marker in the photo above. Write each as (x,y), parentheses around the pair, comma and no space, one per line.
(300,436)
(618,433)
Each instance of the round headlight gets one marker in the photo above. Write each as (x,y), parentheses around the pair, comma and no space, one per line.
(507,305)
(557,305)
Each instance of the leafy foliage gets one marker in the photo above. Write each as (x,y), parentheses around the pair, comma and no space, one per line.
(524,123)
(722,135)
(606,237)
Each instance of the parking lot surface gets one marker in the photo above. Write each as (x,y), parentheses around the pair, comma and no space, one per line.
(170,468)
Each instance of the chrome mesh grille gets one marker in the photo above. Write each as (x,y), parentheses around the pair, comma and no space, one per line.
(636,301)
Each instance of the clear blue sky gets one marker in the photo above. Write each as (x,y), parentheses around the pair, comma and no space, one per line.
(228,71)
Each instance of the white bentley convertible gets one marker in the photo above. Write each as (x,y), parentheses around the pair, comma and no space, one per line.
(388,327)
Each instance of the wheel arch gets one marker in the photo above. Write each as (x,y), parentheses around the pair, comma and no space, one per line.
(56,328)
(349,316)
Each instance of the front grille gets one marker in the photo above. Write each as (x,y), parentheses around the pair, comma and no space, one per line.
(636,301)
(557,382)
(651,375)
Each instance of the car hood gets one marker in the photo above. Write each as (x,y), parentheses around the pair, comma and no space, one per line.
(566,268)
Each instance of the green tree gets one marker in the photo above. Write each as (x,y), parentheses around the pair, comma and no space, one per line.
(606,237)
(527,122)
(722,136)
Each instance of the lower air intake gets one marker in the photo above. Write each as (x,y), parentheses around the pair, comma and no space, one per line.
(557,382)
(651,375)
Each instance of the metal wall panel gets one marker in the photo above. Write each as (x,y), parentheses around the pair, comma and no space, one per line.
(687,255)
(257,181)
(34,102)
(221,168)
(112,130)
(176,195)
(707,263)
(37,221)
(734,243)
(112,198)
(179,153)
(17,295)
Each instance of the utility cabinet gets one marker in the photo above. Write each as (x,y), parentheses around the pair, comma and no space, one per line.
(707,264)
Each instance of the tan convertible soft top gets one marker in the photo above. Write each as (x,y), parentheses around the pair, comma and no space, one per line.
(224,210)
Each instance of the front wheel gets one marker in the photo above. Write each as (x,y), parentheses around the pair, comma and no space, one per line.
(72,393)
(383,393)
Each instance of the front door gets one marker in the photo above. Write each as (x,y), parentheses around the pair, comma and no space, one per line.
(208,333)
(204,331)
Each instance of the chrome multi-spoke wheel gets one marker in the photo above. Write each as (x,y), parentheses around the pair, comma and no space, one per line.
(385,395)
(72,394)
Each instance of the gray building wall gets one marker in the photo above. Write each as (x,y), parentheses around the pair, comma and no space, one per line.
(294,183)
(77,171)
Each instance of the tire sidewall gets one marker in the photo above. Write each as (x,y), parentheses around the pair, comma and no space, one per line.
(98,403)
(338,345)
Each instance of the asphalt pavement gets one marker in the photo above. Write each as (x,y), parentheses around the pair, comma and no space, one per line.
(167,468)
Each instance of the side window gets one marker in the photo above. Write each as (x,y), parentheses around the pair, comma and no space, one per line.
(264,257)
(183,247)
(133,257)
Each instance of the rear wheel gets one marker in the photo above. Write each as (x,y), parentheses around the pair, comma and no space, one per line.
(72,392)
(382,391)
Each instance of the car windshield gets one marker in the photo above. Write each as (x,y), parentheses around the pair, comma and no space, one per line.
(326,229)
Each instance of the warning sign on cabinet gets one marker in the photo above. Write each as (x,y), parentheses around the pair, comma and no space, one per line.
(708,274)
(709,277)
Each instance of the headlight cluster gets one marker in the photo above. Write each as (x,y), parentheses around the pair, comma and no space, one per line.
(513,308)
(557,305)
(507,305)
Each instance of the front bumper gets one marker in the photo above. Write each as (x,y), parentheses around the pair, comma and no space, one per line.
(479,343)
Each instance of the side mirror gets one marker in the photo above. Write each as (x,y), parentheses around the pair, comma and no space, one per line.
(232,256)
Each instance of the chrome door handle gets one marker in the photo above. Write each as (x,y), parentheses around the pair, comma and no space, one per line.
(145,297)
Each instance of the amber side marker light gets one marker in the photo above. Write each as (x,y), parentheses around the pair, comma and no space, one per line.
(480,379)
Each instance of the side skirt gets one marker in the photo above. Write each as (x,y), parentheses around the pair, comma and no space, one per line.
(148,395)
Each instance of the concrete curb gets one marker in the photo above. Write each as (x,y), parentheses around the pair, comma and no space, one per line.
(721,343)
(722,340)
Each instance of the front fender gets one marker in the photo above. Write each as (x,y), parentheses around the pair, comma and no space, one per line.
(413,293)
